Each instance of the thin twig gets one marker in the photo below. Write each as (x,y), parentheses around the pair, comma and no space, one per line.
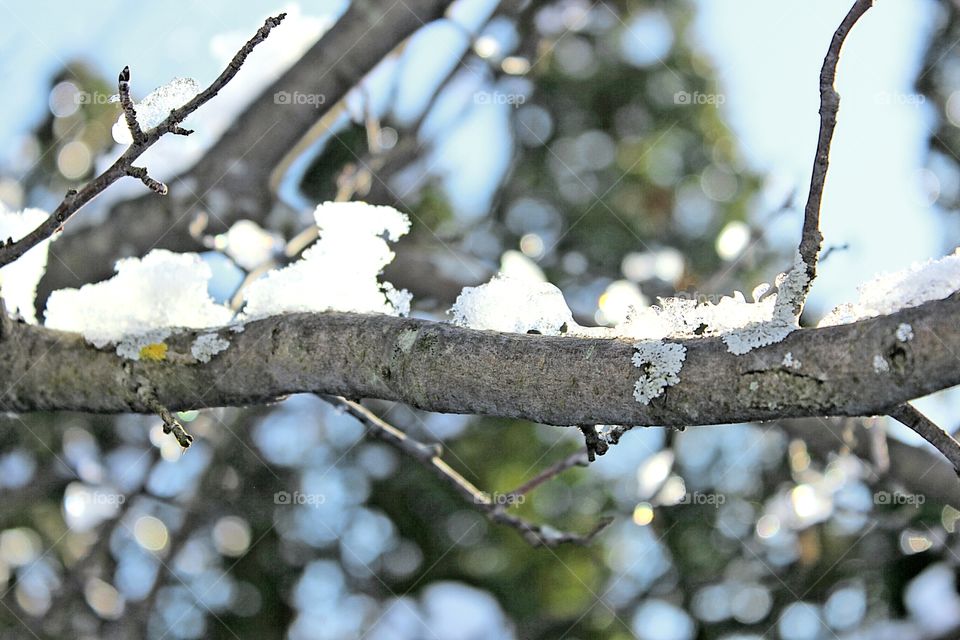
(910,416)
(129,112)
(811,238)
(429,456)
(578,459)
(170,423)
(75,200)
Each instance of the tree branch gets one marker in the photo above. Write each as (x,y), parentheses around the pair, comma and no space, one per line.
(910,416)
(429,456)
(123,166)
(549,379)
(811,238)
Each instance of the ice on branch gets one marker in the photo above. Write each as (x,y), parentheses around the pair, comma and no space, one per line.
(742,325)
(514,305)
(340,272)
(18,280)
(891,292)
(156,106)
(660,364)
(161,290)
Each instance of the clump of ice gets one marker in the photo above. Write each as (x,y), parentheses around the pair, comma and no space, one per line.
(517,305)
(340,271)
(660,363)
(156,106)
(742,325)
(161,290)
(891,292)
(18,280)
(207,346)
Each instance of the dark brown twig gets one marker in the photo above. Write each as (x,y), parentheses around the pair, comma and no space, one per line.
(429,456)
(910,416)
(811,238)
(142,140)
(578,459)
(170,423)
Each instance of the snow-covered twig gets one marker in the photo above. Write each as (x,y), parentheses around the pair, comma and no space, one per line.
(811,238)
(946,444)
(142,140)
(429,456)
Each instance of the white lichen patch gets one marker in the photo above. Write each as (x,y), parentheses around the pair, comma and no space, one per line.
(904,332)
(132,346)
(789,361)
(880,364)
(208,345)
(660,363)
(891,292)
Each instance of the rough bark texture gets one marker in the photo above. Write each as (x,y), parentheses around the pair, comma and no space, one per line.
(439,367)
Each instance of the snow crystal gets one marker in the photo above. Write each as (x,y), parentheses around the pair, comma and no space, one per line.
(513,305)
(18,280)
(891,292)
(660,363)
(904,332)
(880,364)
(743,326)
(340,271)
(161,290)
(156,106)
(789,361)
(207,346)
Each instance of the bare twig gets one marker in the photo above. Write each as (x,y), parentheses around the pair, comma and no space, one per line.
(170,423)
(910,416)
(429,456)
(829,104)
(578,459)
(142,140)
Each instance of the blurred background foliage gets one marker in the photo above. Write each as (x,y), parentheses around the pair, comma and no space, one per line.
(621,185)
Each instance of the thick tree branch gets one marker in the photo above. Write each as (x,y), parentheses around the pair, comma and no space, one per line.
(440,367)
(811,238)
(142,141)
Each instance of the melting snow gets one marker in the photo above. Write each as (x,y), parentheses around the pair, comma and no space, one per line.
(513,304)
(156,106)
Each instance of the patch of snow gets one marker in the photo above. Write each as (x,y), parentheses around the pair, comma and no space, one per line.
(904,332)
(161,290)
(156,106)
(248,244)
(340,271)
(891,292)
(660,363)
(513,305)
(208,345)
(18,280)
